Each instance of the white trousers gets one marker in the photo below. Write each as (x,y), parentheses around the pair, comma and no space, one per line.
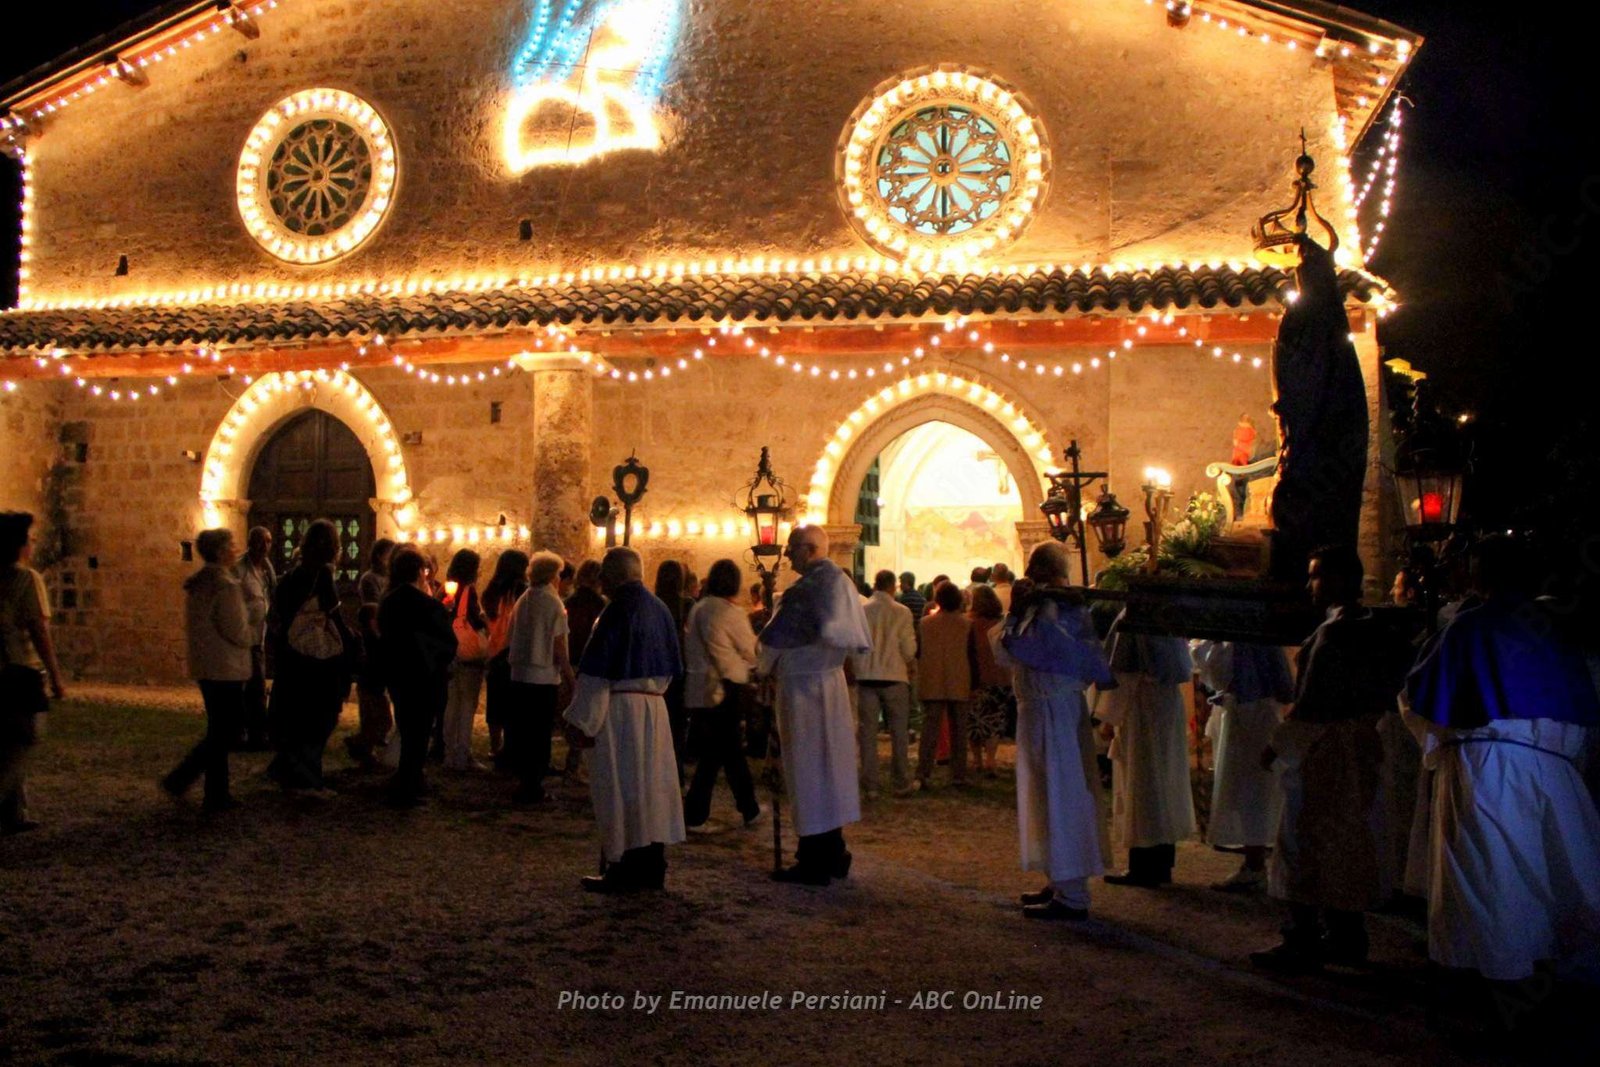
(466,684)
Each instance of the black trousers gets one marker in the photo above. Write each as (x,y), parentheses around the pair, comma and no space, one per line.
(224,703)
(645,867)
(714,737)
(821,852)
(1153,862)
(416,708)
(530,715)
(678,719)
(255,700)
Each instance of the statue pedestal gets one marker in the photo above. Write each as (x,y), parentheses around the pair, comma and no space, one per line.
(1243,553)
(1254,610)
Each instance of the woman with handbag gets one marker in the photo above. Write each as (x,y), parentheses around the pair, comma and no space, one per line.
(472,657)
(27,656)
(312,649)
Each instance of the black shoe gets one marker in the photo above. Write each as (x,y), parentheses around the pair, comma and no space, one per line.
(1344,953)
(798,875)
(172,789)
(1287,958)
(527,798)
(606,885)
(1142,881)
(21,826)
(1055,911)
(216,807)
(841,869)
(1043,896)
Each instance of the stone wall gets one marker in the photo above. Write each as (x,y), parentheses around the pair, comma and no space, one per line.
(134,497)
(1167,144)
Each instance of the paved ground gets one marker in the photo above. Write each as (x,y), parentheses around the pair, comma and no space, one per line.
(133,931)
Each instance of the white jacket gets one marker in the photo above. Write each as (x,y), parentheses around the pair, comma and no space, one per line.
(219,632)
(720,646)
(894,642)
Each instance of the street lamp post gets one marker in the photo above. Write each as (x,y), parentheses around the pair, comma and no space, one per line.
(766,505)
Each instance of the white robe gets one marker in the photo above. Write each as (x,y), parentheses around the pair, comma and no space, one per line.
(817,732)
(633,772)
(1058,786)
(1515,848)
(1245,800)
(1151,799)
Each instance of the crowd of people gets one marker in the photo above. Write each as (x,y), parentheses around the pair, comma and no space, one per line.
(1449,765)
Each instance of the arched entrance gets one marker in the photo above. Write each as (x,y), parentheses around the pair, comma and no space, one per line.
(314,467)
(971,415)
(945,502)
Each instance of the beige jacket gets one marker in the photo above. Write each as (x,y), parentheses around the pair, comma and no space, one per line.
(219,631)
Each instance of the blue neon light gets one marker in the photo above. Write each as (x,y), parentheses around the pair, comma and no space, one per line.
(557,43)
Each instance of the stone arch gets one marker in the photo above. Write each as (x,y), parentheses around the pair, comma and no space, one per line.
(273,400)
(961,399)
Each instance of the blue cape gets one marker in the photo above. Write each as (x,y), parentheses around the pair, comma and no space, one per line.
(1501,660)
(634,637)
(1052,631)
(1260,672)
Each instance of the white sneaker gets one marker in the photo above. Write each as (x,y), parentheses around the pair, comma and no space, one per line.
(1244,880)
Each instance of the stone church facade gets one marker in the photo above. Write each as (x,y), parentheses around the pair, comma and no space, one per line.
(437,269)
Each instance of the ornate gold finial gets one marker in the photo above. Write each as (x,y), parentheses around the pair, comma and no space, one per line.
(1278,234)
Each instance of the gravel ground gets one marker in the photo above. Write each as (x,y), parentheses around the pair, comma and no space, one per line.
(136,931)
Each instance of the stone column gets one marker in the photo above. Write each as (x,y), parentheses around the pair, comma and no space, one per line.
(1378,508)
(1034,532)
(563,444)
(842,541)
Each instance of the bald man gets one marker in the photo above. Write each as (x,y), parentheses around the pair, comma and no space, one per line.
(619,709)
(818,625)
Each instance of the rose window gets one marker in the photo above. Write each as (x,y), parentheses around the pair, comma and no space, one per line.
(944,170)
(317,176)
(942,166)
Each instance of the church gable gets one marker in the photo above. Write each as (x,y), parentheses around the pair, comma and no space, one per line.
(301,144)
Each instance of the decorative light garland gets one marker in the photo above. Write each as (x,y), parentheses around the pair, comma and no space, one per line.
(665,271)
(140,60)
(1385,164)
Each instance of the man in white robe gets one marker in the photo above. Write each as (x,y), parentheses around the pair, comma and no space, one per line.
(619,709)
(1250,684)
(818,625)
(1048,640)
(1506,712)
(1152,804)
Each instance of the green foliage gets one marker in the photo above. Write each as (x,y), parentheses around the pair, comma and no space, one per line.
(1185,546)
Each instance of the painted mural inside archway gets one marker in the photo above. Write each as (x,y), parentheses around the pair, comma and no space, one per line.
(946,502)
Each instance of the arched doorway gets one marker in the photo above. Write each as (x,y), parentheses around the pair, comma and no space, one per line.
(314,467)
(945,502)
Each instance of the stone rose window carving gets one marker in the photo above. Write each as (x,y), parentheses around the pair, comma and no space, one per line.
(317,176)
(942,165)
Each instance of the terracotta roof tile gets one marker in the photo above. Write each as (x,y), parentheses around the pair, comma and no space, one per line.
(697,299)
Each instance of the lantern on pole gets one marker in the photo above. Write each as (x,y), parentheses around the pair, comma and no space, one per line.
(1063,505)
(1109,521)
(766,505)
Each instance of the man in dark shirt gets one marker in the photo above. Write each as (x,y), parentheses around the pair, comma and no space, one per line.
(1328,755)
(910,597)
(416,645)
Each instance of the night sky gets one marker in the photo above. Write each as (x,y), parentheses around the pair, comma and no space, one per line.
(1497,211)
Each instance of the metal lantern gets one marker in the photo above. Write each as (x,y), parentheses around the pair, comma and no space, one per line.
(1058,509)
(765,511)
(1109,521)
(1430,497)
